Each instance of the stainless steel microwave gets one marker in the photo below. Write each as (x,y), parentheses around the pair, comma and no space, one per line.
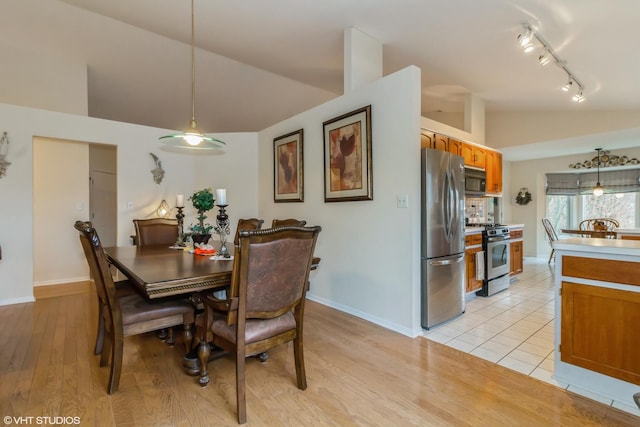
(475,182)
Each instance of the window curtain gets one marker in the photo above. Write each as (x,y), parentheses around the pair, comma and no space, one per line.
(569,184)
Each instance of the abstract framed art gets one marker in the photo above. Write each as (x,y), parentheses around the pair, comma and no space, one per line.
(348,173)
(288,184)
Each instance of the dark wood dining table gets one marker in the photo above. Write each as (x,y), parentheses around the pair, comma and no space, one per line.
(591,233)
(158,271)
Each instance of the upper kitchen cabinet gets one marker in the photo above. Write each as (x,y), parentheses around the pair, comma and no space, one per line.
(427,139)
(455,146)
(441,143)
(473,155)
(493,167)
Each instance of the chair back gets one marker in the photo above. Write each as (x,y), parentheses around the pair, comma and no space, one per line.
(599,224)
(99,268)
(273,271)
(288,223)
(551,232)
(247,224)
(156,231)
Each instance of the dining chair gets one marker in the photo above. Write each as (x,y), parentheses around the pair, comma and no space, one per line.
(122,312)
(265,307)
(599,224)
(247,224)
(288,223)
(156,231)
(551,234)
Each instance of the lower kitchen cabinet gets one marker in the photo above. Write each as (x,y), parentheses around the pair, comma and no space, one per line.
(516,258)
(473,284)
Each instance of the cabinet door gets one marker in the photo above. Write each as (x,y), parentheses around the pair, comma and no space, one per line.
(473,155)
(598,330)
(441,142)
(454,146)
(427,139)
(466,151)
(493,166)
(479,156)
(517,259)
(473,284)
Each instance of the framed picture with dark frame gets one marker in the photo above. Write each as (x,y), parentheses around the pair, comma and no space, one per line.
(288,185)
(348,173)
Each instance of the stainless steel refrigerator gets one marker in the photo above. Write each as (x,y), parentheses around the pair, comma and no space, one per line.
(442,251)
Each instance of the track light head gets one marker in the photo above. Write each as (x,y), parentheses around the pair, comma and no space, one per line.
(578,97)
(543,59)
(568,86)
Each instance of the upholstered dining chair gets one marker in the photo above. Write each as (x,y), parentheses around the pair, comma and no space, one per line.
(266,301)
(247,224)
(156,231)
(124,313)
(551,234)
(288,223)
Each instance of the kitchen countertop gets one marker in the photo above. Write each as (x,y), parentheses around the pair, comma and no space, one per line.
(599,246)
(476,230)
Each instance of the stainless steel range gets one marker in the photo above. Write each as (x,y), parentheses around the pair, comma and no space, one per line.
(495,245)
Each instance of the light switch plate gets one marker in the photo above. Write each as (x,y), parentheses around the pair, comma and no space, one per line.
(402,200)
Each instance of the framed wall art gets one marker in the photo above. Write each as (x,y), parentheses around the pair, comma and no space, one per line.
(347,157)
(288,185)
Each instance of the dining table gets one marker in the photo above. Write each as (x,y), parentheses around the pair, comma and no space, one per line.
(591,233)
(158,271)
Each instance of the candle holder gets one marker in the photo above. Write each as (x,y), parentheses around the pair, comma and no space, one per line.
(180,216)
(222,228)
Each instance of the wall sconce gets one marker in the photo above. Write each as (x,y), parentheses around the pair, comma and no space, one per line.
(163,210)
(4,145)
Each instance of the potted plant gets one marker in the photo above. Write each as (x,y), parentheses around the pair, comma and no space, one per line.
(203,201)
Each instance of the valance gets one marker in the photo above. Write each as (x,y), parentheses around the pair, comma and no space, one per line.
(571,184)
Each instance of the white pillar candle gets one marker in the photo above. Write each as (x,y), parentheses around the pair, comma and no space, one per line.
(221,195)
(180,201)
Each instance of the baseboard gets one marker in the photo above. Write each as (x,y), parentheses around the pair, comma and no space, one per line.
(62,289)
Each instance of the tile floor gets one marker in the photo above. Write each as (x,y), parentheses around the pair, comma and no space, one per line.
(514,328)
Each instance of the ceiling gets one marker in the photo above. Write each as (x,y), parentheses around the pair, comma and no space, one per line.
(461,46)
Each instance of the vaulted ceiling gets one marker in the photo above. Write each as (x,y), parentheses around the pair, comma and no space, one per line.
(258,62)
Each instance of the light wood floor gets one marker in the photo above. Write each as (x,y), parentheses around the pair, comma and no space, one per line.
(358,374)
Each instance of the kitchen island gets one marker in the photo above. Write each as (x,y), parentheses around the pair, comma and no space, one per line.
(597,316)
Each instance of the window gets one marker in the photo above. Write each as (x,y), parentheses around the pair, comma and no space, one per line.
(567,211)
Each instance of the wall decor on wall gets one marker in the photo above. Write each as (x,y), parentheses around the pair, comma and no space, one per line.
(4,149)
(158,172)
(606,160)
(524,197)
(288,167)
(348,173)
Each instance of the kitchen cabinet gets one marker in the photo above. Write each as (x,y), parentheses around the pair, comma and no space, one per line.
(516,253)
(441,143)
(473,155)
(493,168)
(454,146)
(427,139)
(473,244)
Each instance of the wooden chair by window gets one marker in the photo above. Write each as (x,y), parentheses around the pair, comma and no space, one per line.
(126,313)
(599,224)
(156,231)
(551,234)
(266,301)
(288,223)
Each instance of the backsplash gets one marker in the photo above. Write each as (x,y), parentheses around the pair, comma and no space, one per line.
(482,209)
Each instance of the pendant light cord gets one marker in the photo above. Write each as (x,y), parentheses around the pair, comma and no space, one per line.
(193,66)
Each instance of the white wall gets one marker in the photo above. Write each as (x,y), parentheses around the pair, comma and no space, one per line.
(135,182)
(369,249)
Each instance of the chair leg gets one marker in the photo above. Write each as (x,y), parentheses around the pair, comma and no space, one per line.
(203,354)
(116,365)
(106,350)
(171,340)
(162,334)
(100,333)
(241,401)
(187,337)
(298,354)
(551,256)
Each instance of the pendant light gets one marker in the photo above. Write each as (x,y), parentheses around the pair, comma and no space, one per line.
(192,137)
(598,190)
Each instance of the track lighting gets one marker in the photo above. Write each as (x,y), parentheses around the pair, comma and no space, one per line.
(526,39)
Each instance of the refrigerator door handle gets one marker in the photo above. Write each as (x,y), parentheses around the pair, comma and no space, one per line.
(445,206)
(449,261)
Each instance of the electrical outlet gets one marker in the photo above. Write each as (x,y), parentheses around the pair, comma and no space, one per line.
(402,200)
